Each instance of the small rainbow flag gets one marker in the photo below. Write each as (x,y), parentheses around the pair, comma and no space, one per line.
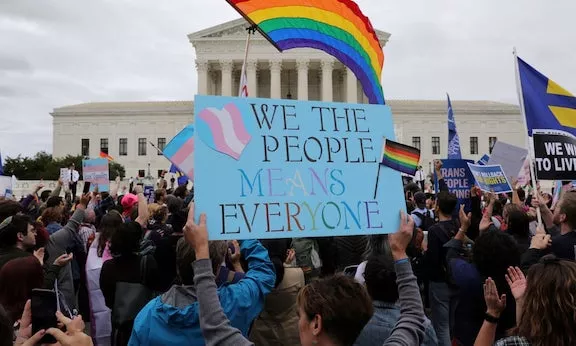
(103,155)
(400,157)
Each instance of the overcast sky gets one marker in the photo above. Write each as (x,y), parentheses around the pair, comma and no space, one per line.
(60,52)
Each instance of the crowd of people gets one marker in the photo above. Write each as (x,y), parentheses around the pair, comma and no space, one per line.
(129,272)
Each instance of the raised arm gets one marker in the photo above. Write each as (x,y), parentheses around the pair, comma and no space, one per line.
(409,329)
(142,218)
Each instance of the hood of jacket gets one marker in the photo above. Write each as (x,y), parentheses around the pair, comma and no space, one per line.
(178,307)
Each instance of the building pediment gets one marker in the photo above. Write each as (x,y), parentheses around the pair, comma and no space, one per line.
(236,30)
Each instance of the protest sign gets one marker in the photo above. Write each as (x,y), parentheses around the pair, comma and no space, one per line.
(510,157)
(65,175)
(490,178)
(483,160)
(554,155)
(282,169)
(96,172)
(459,180)
(6,186)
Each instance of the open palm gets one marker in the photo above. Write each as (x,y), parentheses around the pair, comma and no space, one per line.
(517,282)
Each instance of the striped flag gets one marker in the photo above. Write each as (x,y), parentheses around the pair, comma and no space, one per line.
(180,151)
(243,83)
(400,157)
(228,133)
(104,155)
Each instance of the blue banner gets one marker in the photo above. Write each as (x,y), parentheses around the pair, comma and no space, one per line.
(268,168)
(490,178)
(483,160)
(459,180)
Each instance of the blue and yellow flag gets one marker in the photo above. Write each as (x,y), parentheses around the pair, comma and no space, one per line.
(547,104)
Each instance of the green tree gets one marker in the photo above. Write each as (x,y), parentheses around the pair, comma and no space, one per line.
(44,166)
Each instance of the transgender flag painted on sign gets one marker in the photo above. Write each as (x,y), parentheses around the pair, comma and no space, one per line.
(228,134)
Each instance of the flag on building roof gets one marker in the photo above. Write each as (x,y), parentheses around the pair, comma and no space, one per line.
(453,138)
(400,157)
(181,177)
(180,151)
(104,155)
(547,105)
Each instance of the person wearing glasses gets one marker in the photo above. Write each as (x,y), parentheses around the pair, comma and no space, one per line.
(17,237)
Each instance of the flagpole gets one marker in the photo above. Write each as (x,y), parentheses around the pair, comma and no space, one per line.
(377,180)
(250,30)
(155,147)
(528,144)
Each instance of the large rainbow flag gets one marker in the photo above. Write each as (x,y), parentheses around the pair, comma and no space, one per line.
(337,27)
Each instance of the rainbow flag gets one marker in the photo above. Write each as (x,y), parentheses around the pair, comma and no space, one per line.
(337,27)
(400,157)
(103,155)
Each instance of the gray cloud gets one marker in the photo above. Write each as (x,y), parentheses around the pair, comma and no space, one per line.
(60,52)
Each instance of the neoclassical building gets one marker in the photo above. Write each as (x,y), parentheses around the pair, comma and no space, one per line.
(124,129)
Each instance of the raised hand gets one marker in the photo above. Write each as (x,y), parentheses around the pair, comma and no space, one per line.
(495,304)
(541,241)
(400,240)
(74,335)
(196,234)
(517,282)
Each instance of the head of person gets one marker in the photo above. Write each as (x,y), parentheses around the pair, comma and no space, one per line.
(185,257)
(24,274)
(521,194)
(278,252)
(174,204)
(565,211)
(9,208)
(327,314)
(549,303)
(129,202)
(44,195)
(498,207)
(51,215)
(42,235)
(380,279)
(89,216)
(181,191)
(127,239)
(71,166)
(160,196)
(109,224)
(517,221)
(492,254)
(17,231)
(420,200)
(446,203)
(55,202)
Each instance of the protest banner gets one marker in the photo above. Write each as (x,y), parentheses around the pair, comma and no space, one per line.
(65,175)
(459,180)
(554,155)
(510,157)
(6,187)
(96,172)
(490,178)
(483,160)
(282,169)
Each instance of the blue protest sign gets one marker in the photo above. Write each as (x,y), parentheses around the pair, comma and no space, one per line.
(268,168)
(459,180)
(490,178)
(483,160)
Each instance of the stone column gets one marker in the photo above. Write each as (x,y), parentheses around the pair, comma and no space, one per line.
(226,66)
(302,66)
(351,87)
(275,79)
(202,69)
(251,68)
(327,68)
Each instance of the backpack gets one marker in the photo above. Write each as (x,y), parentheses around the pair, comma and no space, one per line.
(307,254)
(427,220)
(147,246)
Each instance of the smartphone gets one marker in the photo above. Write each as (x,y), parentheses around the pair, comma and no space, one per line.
(86,187)
(44,306)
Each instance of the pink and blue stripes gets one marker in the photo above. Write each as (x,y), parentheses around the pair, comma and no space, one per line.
(228,133)
(180,151)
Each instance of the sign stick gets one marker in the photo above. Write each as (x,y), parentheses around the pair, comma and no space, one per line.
(377,180)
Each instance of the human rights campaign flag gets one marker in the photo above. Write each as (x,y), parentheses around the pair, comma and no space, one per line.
(547,104)
(453,139)
(182,178)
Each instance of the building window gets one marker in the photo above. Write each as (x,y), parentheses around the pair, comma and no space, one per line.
(435,145)
(416,142)
(123,147)
(85,147)
(141,173)
(492,142)
(161,145)
(141,146)
(104,145)
(474,145)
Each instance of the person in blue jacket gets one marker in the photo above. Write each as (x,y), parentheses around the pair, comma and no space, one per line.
(172,318)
